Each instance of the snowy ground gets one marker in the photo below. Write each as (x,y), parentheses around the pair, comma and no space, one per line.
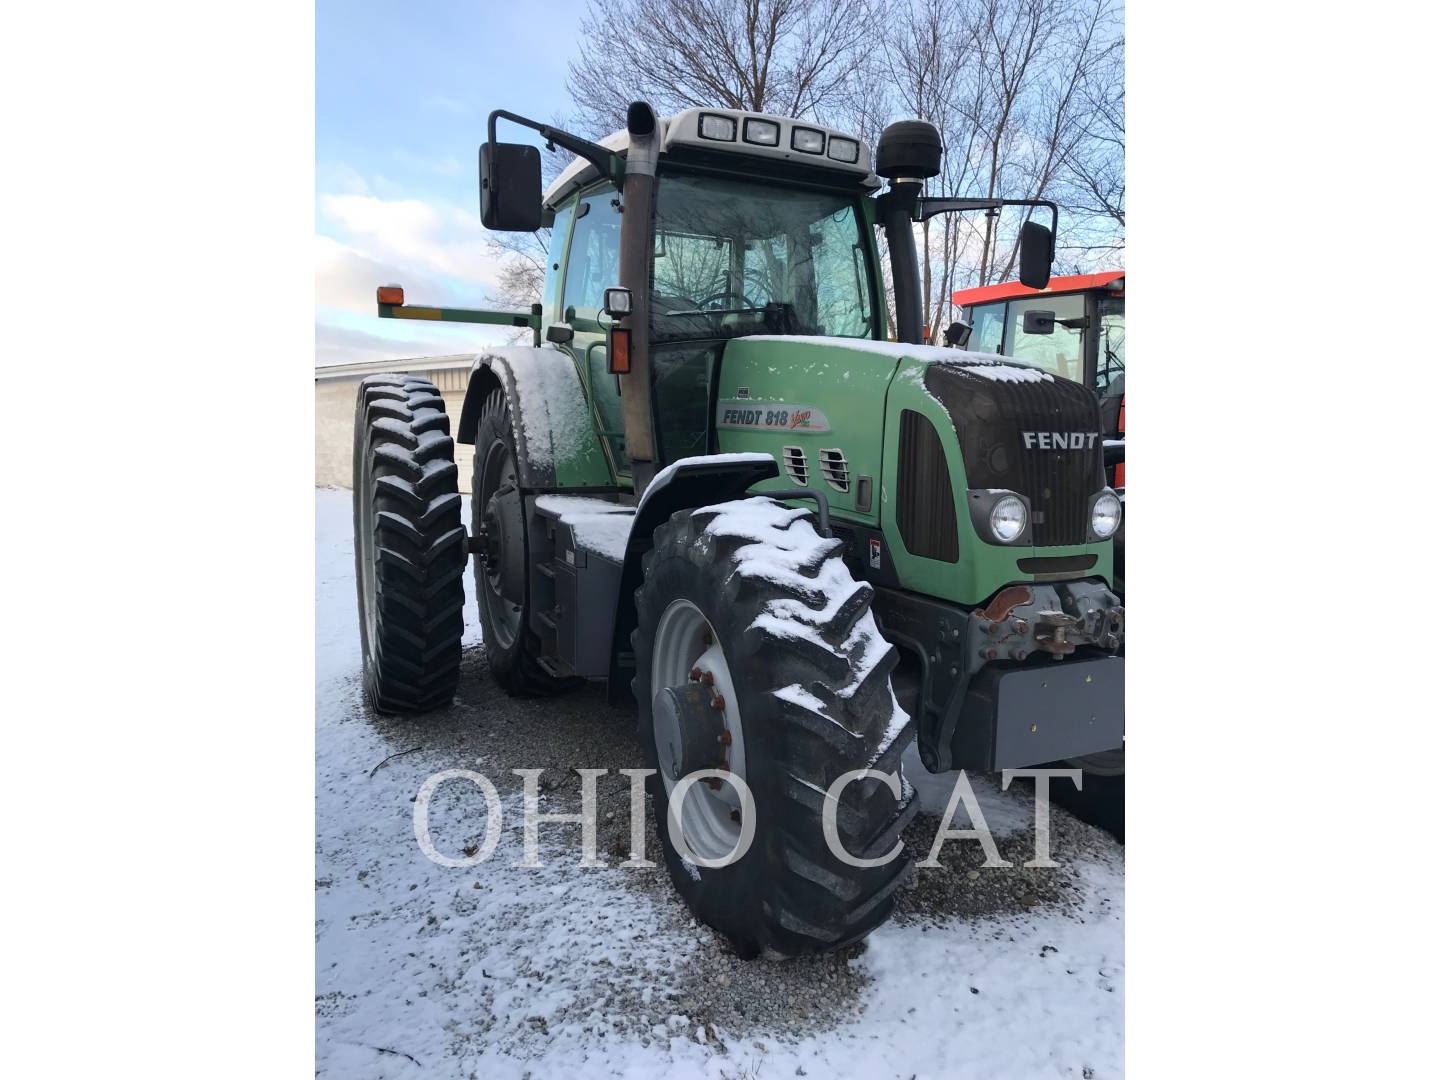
(495,971)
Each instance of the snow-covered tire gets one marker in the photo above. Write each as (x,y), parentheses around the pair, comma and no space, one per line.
(409,545)
(810,673)
(502,571)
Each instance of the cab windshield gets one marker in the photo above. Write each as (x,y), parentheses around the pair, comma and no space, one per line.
(737,257)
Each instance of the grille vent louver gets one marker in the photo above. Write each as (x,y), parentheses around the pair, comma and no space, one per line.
(925,510)
(835,469)
(796,466)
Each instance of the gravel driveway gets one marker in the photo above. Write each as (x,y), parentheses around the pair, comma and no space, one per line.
(500,971)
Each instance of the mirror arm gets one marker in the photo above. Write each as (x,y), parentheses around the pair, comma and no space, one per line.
(609,164)
(928,208)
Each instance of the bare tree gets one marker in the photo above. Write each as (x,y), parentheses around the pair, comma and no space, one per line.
(1011,85)
(1028,96)
(791,57)
(1094,168)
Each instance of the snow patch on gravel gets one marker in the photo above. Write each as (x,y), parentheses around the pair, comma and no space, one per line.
(499,972)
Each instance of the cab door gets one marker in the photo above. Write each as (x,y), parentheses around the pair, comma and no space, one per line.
(592,265)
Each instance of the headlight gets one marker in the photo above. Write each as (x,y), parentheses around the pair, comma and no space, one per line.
(719,128)
(1105,516)
(807,140)
(1007,518)
(762,132)
(847,150)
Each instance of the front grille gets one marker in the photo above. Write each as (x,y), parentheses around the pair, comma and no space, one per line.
(1057,564)
(991,416)
(925,507)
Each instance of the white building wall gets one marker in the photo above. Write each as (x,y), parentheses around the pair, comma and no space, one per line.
(335,390)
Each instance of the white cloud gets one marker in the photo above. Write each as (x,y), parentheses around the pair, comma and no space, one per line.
(437,251)
(433,239)
(346,278)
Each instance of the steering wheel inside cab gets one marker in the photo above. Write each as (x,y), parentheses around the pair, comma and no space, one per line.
(734,311)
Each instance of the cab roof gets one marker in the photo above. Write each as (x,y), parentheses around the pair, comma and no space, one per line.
(683,129)
(1008,290)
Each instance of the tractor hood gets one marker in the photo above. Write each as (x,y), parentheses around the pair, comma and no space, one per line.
(1017,427)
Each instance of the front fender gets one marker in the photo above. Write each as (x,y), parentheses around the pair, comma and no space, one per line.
(555,436)
(684,485)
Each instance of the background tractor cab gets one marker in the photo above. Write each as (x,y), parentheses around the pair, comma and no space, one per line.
(1074,328)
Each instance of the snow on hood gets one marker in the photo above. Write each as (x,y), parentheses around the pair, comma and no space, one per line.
(991,366)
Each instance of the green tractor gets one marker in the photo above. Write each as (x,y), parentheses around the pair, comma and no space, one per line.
(714,483)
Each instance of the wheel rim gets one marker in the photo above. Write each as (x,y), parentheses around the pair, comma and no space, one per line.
(686,643)
(501,564)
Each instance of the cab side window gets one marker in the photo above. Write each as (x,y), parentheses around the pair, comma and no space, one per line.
(594,264)
(559,233)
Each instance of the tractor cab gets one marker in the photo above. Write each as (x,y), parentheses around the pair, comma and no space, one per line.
(760,227)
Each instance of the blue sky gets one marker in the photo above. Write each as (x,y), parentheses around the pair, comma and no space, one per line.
(401,96)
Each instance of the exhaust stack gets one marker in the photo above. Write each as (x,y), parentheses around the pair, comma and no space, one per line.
(637,240)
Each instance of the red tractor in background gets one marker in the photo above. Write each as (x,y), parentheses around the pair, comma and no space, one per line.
(1074,328)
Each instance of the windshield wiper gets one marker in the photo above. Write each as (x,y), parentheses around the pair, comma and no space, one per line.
(713,311)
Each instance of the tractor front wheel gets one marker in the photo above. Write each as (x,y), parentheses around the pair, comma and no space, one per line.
(757,656)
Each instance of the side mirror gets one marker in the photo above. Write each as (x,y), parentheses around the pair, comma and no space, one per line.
(509,187)
(1039,322)
(957,335)
(1037,251)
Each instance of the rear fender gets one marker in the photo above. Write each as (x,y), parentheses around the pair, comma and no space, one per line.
(555,435)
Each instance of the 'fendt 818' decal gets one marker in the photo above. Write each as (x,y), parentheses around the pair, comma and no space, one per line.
(756,416)
(1060,440)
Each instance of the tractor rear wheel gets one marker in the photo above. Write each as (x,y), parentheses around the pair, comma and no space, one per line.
(756,654)
(502,567)
(409,545)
